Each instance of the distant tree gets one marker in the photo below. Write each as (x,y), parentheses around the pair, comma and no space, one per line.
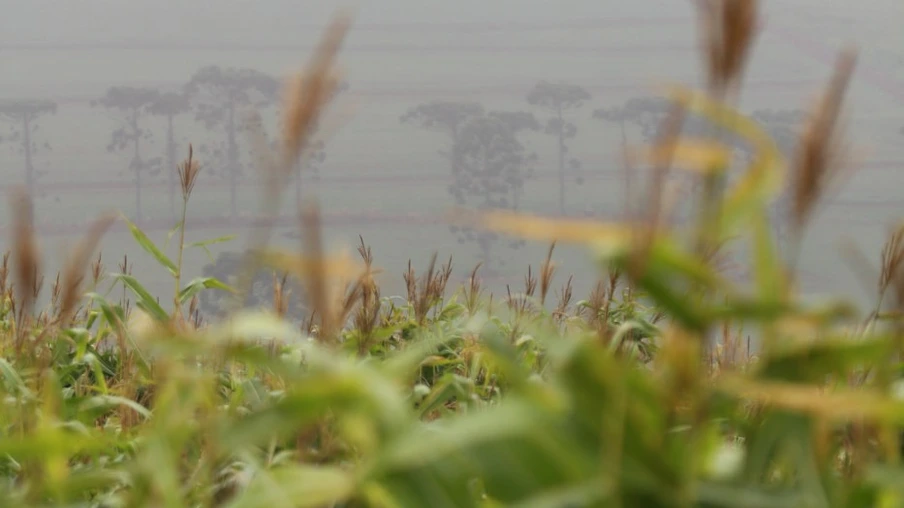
(492,165)
(444,117)
(648,114)
(219,95)
(130,104)
(23,116)
(170,105)
(559,99)
(645,112)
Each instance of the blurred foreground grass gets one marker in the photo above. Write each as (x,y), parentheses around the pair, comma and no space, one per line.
(646,393)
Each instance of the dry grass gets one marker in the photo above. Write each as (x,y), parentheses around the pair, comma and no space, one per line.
(306,96)
(728,29)
(74,272)
(822,147)
(425,292)
(26,261)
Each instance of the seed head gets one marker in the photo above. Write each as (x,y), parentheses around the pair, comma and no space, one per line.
(25,251)
(74,273)
(188,174)
(308,92)
(821,148)
(729,29)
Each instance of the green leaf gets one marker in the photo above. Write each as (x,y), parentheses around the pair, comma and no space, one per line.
(754,189)
(150,248)
(678,304)
(92,318)
(716,494)
(171,233)
(887,476)
(297,486)
(511,447)
(314,397)
(12,381)
(111,401)
(442,392)
(402,364)
(813,361)
(252,326)
(769,276)
(199,284)
(590,493)
(99,375)
(112,314)
(115,318)
(146,301)
(203,244)
(451,311)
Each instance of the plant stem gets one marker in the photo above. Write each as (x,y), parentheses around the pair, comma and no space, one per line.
(176,303)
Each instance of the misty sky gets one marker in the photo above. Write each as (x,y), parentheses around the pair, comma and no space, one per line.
(30,28)
(230,20)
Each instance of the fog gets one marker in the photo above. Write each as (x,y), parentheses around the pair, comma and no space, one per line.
(386,179)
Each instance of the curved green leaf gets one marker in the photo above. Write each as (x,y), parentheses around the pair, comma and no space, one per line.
(150,248)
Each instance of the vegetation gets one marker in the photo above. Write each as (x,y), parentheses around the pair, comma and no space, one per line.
(169,105)
(646,393)
(22,117)
(220,96)
(491,167)
(132,104)
(559,99)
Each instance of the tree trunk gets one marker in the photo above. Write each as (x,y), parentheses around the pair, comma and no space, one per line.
(629,177)
(26,145)
(561,162)
(136,161)
(138,216)
(232,161)
(233,194)
(298,185)
(171,170)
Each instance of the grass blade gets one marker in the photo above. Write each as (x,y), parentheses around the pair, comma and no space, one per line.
(150,248)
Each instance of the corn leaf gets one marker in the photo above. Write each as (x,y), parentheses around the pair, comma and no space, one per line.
(146,301)
(150,248)
(199,284)
(297,486)
(204,244)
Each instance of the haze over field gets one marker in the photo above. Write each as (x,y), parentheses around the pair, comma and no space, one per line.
(385,179)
